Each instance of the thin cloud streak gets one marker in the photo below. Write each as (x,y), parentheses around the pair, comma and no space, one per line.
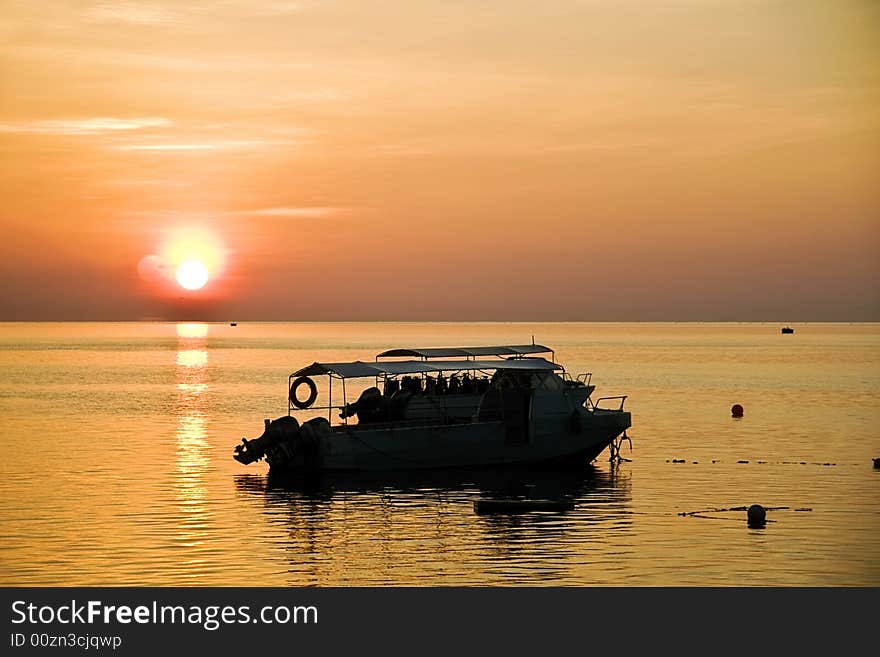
(92,126)
(134,13)
(166,147)
(297,213)
(281,7)
(291,212)
(233,144)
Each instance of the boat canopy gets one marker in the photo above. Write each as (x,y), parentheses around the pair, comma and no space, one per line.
(468,352)
(393,368)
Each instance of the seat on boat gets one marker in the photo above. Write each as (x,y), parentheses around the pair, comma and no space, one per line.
(397,404)
(369,407)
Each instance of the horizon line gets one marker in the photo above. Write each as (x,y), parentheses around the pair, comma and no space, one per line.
(164,320)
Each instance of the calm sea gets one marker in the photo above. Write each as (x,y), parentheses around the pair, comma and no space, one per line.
(117,462)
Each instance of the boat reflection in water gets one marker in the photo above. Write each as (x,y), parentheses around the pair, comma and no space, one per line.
(420,528)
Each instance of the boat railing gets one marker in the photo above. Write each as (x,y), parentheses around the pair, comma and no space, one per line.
(621,398)
(579,381)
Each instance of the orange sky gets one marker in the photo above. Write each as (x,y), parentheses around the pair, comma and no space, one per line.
(443,160)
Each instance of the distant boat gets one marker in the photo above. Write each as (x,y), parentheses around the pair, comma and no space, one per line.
(233,323)
(787,329)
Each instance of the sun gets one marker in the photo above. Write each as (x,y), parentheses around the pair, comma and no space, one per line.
(186,258)
(192,275)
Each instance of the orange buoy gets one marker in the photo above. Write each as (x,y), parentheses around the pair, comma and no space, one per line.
(736,410)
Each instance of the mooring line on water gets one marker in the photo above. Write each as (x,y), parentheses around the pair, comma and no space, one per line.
(733,508)
(756,513)
(725,518)
(748,462)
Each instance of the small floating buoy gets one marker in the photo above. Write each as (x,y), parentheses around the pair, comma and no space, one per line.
(757,515)
(736,410)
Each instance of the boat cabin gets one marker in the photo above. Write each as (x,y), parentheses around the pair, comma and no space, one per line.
(441,386)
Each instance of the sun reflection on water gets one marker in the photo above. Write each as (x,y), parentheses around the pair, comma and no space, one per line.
(193,449)
(192,358)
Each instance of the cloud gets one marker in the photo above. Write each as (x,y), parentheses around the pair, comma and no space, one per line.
(227,144)
(145,14)
(281,212)
(129,12)
(92,126)
(296,212)
(166,147)
(281,7)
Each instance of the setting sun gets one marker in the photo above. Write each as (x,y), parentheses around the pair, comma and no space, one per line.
(192,275)
(185,258)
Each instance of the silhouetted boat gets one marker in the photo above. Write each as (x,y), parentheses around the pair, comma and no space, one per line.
(787,329)
(233,323)
(448,408)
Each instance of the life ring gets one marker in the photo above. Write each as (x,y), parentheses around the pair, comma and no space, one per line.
(313,392)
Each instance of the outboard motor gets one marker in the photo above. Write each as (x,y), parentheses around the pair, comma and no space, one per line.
(276,432)
(302,450)
(311,434)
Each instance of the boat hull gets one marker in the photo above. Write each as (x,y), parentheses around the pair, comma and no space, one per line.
(559,441)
